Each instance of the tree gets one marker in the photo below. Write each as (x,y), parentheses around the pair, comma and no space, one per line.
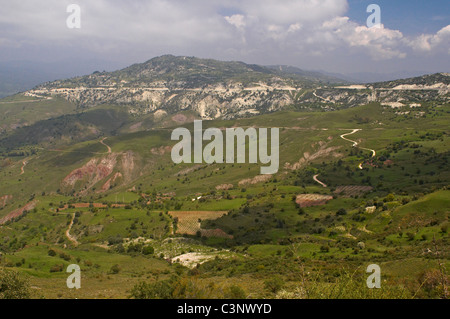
(274,284)
(115,269)
(12,286)
(148,250)
(52,253)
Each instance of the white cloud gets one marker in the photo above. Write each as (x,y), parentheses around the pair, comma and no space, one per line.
(262,31)
(430,42)
(380,43)
(238,20)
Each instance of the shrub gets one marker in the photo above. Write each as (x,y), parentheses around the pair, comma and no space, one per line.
(13,286)
(274,284)
(57,268)
(52,253)
(148,250)
(115,269)
(113,240)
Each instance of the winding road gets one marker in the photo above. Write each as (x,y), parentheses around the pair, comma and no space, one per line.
(355,144)
(22,169)
(103,142)
(321,183)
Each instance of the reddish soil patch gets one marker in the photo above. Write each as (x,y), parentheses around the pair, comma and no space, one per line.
(388,162)
(107,185)
(179,118)
(95,170)
(4,200)
(161,150)
(308,200)
(18,212)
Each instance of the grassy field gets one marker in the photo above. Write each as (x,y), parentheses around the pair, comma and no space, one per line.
(392,212)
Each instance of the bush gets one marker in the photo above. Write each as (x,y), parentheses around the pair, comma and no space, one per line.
(65,256)
(113,240)
(410,236)
(324,249)
(57,268)
(148,250)
(274,284)
(52,253)
(13,286)
(115,269)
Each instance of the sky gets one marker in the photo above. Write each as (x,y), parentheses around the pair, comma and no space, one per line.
(328,35)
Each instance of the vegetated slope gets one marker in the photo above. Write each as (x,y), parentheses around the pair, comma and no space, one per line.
(391,212)
(65,129)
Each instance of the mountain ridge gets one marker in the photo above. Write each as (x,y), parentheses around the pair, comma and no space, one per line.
(230,89)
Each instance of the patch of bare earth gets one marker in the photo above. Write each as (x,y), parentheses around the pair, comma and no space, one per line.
(18,212)
(191,260)
(308,200)
(95,170)
(322,151)
(135,127)
(224,187)
(161,150)
(4,200)
(255,180)
(98,169)
(179,118)
(188,170)
(110,182)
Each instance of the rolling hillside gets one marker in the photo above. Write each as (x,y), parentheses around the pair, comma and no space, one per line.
(87,178)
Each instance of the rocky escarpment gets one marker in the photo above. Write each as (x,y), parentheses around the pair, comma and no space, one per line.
(215,89)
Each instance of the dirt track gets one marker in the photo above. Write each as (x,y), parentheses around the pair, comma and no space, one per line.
(321,183)
(103,142)
(355,144)
(68,235)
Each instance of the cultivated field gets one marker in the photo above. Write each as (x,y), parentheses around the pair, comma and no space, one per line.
(190,223)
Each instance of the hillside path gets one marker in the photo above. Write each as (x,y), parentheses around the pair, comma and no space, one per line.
(321,183)
(355,144)
(103,142)
(68,235)
(22,169)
